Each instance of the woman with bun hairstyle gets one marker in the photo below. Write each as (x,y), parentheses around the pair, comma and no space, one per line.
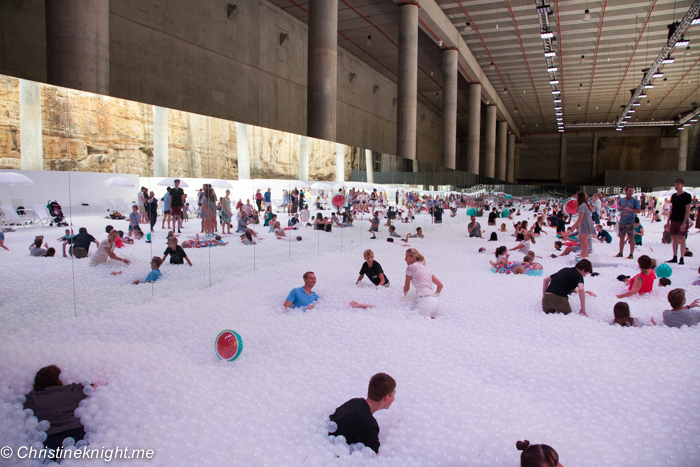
(537,455)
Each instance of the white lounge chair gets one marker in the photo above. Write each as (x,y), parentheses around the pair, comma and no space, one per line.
(121,206)
(10,216)
(41,215)
(107,206)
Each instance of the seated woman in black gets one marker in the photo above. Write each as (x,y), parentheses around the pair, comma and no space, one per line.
(373,270)
(51,400)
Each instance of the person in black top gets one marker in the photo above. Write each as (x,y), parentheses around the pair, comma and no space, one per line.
(80,243)
(176,252)
(678,220)
(557,288)
(561,223)
(373,270)
(493,215)
(355,420)
(177,202)
(51,400)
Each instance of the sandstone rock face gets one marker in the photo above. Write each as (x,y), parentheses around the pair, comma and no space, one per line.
(9,123)
(201,147)
(91,133)
(273,154)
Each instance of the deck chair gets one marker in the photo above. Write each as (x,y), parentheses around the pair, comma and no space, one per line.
(41,215)
(10,216)
(121,206)
(107,206)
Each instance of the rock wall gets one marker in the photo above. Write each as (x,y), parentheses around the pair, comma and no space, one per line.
(91,133)
(201,147)
(9,123)
(273,154)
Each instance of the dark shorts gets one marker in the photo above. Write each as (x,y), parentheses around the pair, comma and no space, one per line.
(167,211)
(676,229)
(176,210)
(78,252)
(625,229)
(555,304)
(134,228)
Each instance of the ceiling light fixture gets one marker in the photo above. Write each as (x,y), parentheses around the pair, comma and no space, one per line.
(552,69)
(631,111)
(636,104)
(544,9)
(682,43)
(643,95)
(553,81)
(559,114)
(695,22)
(550,54)
(657,75)
(648,86)
(668,60)
(586,15)
(618,128)
(546,34)
(556,91)
(628,116)
(557,108)
(693,120)
(681,128)
(557,101)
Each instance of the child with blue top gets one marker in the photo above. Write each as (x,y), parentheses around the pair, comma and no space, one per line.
(134,219)
(155,274)
(303,297)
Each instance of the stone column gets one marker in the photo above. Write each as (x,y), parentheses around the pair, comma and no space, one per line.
(369,163)
(683,149)
(303,158)
(510,171)
(322,69)
(160,141)
(449,108)
(407,104)
(243,151)
(489,169)
(474,129)
(30,138)
(501,149)
(77,44)
(339,162)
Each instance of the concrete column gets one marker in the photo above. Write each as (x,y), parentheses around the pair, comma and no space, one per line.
(489,168)
(303,158)
(30,141)
(594,162)
(474,129)
(501,149)
(369,163)
(243,151)
(683,149)
(322,69)
(160,141)
(562,158)
(407,104)
(510,171)
(449,108)
(77,44)
(339,162)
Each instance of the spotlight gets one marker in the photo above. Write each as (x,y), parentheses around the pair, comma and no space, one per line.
(546,35)
(556,91)
(657,75)
(631,111)
(628,116)
(681,128)
(695,21)
(682,43)
(618,128)
(557,108)
(586,15)
(687,51)
(668,60)
(557,101)
(552,69)
(648,86)
(549,54)
(643,95)
(559,114)
(636,104)
(693,120)
(553,81)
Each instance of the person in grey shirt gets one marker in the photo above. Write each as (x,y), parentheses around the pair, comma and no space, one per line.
(681,314)
(474,228)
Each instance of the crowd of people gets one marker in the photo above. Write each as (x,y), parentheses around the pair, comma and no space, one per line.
(354,420)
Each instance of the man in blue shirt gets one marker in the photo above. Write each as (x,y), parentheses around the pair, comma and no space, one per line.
(303,297)
(629,207)
(268,198)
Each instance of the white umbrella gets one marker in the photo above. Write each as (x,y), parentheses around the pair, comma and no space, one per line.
(221,184)
(118,181)
(170,181)
(15,179)
(298,184)
(340,186)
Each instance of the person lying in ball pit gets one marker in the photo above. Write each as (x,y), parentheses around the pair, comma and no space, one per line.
(355,419)
(303,297)
(642,282)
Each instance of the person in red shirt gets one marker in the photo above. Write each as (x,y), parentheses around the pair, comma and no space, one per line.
(642,282)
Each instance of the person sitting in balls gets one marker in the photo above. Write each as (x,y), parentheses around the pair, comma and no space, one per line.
(303,297)
(557,288)
(642,282)
(355,418)
(537,455)
(681,314)
(373,270)
(51,400)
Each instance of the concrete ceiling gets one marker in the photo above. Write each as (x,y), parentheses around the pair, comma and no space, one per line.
(621,38)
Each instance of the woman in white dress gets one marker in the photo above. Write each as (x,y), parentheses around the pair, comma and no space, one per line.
(418,274)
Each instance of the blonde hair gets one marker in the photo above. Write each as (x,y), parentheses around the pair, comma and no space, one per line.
(413,252)
(367,252)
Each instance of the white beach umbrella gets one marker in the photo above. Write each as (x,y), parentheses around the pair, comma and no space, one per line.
(15,179)
(321,186)
(221,184)
(170,181)
(118,182)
